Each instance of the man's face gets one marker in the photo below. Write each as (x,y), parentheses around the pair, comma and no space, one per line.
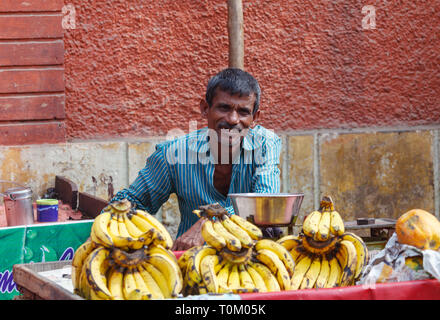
(229,115)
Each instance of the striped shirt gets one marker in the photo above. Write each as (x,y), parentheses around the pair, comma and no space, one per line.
(185,166)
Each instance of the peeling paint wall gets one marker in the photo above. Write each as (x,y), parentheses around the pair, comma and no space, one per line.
(378,174)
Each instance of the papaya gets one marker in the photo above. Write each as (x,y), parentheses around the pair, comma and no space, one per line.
(419,228)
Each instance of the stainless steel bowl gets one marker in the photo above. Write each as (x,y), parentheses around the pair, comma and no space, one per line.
(268,209)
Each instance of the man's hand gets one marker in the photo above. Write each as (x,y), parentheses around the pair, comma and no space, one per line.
(191,238)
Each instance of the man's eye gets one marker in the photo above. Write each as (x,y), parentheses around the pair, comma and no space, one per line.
(244,112)
(223,108)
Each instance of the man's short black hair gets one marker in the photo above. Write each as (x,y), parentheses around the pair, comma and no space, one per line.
(234,81)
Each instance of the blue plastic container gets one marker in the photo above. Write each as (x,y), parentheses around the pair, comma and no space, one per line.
(47,210)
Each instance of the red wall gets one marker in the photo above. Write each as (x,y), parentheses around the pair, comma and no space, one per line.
(139,68)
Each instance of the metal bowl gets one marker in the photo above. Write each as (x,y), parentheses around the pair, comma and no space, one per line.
(268,209)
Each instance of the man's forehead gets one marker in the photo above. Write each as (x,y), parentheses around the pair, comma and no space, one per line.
(224,94)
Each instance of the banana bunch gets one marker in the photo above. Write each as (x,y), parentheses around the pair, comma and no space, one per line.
(101,273)
(127,257)
(322,224)
(121,226)
(236,259)
(325,256)
(230,235)
(267,269)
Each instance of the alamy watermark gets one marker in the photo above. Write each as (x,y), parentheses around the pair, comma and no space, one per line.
(217,146)
(369,20)
(69,17)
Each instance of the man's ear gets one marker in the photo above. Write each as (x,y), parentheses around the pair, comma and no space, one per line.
(204,108)
(256,116)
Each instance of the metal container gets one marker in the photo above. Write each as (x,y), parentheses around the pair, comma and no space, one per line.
(268,209)
(18,204)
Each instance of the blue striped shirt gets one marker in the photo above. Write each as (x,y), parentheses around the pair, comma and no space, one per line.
(185,166)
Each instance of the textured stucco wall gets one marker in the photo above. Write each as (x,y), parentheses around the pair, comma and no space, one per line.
(138,68)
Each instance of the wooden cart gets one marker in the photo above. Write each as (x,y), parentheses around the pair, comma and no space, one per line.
(34,286)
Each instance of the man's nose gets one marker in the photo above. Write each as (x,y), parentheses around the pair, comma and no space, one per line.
(233,118)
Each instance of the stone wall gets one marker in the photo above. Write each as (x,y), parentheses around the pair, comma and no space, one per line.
(370,173)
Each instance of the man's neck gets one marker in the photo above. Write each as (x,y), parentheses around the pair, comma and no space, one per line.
(225,155)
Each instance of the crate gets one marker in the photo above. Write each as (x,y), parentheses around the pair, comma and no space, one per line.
(34,286)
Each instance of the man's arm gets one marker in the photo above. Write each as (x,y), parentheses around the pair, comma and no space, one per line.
(152,187)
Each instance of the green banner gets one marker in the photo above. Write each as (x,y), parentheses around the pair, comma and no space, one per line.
(37,243)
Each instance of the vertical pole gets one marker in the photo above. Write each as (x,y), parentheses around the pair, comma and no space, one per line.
(235,33)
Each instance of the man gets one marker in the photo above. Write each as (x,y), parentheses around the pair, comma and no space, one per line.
(231,155)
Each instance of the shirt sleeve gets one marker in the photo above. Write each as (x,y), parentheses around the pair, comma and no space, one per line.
(153,186)
(266,178)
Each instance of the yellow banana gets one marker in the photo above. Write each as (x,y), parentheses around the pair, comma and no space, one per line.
(222,278)
(269,278)
(96,269)
(99,232)
(79,257)
(232,243)
(84,288)
(193,268)
(301,268)
(219,265)
(234,277)
(312,274)
(207,270)
(323,227)
(183,259)
(336,223)
(256,278)
(246,281)
(151,234)
(115,282)
(122,228)
(132,229)
(141,287)
(140,222)
(290,241)
(323,274)
(127,239)
(271,260)
(211,236)
(348,260)
(158,226)
(239,233)
(293,244)
(161,250)
(159,278)
(154,238)
(129,288)
(335,273)
(361,251)
(170,269)
(113,230)
(146,281)
(253,231)
(311,223)
(280,251)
